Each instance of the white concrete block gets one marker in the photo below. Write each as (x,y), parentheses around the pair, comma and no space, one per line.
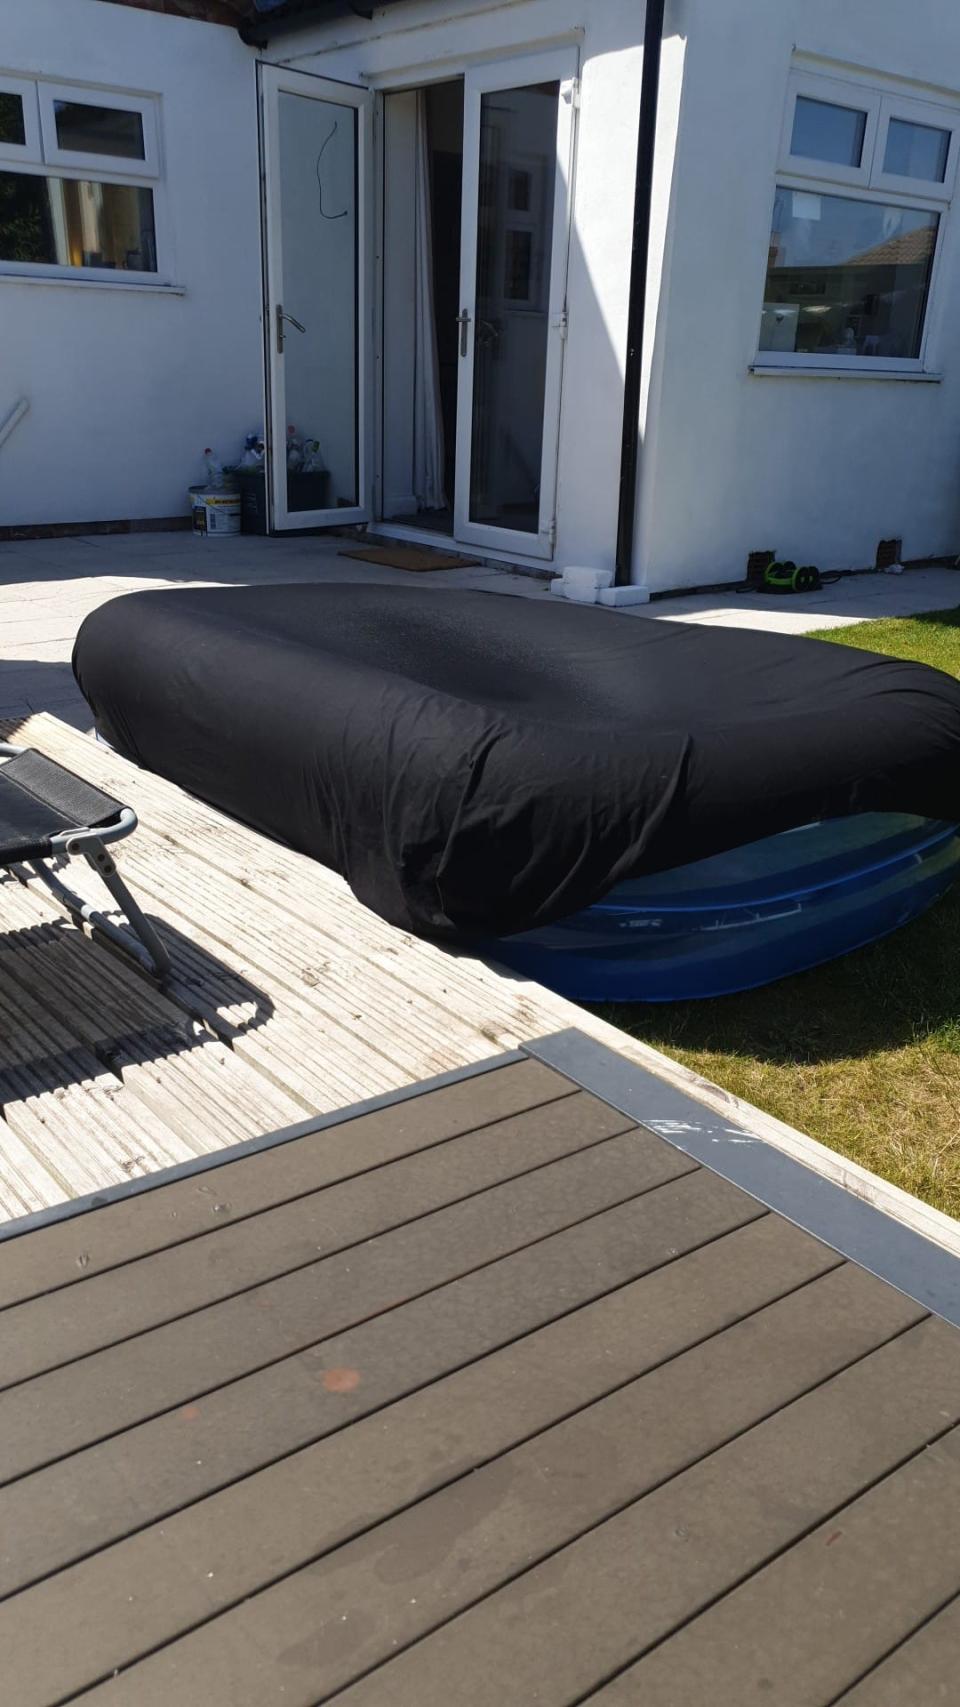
(624,596)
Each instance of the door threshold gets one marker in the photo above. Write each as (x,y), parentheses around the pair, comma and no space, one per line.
(445,542)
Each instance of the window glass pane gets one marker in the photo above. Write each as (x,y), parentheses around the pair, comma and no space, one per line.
(71,223)
(319,226)
(822,131)
(99,130)
(846,277)
(916,151)
(11,119)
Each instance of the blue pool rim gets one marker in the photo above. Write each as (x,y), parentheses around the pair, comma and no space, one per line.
(661,940)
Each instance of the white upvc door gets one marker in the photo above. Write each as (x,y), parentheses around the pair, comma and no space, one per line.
(318,229)
(518,156)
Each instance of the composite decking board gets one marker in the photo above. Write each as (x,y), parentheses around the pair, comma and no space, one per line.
(199,1562)
(642,1574)
(110,1390)
(545,1407)
(920,1673)
(138,1476)
(318,1629)
(228,1259)
(808,1625)
(72,1251)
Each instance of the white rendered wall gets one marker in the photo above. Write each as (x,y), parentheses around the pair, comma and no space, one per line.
(126,386)
(817,469)
(417,44)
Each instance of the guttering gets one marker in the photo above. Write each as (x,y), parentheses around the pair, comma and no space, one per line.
(642,198)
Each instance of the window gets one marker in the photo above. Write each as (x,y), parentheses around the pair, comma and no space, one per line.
(78,181)
(862,192)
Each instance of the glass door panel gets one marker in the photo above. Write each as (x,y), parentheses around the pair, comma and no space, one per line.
(517,155)
(316,149)
(518,171)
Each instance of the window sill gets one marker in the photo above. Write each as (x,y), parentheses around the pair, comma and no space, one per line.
(901,376)
(143,286)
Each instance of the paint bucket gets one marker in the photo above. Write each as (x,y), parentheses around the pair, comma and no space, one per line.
(216,513)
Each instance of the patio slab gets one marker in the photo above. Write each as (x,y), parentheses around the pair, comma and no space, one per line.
(855,598)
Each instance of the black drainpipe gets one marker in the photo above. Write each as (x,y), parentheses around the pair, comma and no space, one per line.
(646,139)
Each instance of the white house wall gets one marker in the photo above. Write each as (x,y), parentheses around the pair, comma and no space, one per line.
(414,44)
(127,385)
(818,469)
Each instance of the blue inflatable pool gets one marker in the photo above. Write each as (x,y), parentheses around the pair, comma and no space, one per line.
(744,918)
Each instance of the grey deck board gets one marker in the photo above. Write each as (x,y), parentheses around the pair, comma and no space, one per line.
(114,1388)
(231,1258)
(858,1593)
(427,1564)
(453,1545)
(138,1476)
(490,1398)
(76,1249)
(643,1574)
(923,1669)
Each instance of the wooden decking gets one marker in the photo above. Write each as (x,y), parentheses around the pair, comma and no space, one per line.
(289,999)
(487,1398)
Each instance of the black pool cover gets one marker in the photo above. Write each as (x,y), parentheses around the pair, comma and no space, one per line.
(477,764)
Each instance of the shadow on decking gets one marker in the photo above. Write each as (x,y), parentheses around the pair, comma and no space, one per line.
(71,1009)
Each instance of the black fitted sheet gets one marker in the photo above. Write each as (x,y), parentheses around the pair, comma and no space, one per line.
(476,764)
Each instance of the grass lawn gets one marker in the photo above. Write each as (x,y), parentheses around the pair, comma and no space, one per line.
(863,1054)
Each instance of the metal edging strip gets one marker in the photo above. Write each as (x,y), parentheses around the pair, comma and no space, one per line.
(856,1229)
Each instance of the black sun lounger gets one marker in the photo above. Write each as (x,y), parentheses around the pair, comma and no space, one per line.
(477,765)
(47,814)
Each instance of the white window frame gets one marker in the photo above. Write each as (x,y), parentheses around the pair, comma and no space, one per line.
(54,155)
(835,94)
(30,148)
(41,157)
(866,182)
(921,113)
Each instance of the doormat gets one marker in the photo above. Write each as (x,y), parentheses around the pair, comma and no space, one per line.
(418,558)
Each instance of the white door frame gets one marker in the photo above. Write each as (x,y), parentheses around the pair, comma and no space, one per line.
(274,81)
(556,65)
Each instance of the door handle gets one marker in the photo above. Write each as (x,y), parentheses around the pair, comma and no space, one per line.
(463,321)
(281,317)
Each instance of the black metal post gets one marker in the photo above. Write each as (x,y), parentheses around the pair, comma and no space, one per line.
(646,141)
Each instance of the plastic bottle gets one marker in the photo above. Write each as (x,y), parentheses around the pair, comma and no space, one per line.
(252,457)
(313,462)
(214,470)
(294,449)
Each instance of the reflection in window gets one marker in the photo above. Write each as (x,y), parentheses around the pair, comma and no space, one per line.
(12,127)
(823,131)
(70,222)
(846,277)
(917,151)
(84,129)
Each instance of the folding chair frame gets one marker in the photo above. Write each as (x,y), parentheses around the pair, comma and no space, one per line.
(139,941)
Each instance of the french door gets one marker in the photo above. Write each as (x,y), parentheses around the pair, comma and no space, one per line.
(519,120)
(318,221)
